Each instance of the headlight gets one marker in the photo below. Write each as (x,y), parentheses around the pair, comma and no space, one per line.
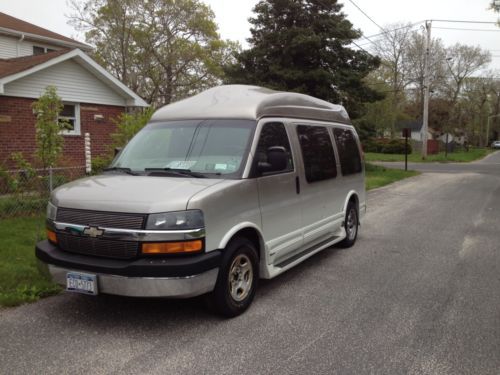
(51,211)
(177,220)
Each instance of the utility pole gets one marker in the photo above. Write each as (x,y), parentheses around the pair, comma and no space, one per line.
(425,119)
(488,128)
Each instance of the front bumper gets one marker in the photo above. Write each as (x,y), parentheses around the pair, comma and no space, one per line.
(180,277)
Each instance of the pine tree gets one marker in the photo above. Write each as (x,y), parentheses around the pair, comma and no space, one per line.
(303,46)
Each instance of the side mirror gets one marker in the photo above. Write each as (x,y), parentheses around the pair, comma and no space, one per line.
(118,150)
(277,160)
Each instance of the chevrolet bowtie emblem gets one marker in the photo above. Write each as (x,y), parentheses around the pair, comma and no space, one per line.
(93,231)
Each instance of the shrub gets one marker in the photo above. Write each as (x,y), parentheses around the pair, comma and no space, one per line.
(386,146)
(99,163)
(128,124)
(49,140)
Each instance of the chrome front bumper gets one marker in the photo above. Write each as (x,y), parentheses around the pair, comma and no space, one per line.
(173,287)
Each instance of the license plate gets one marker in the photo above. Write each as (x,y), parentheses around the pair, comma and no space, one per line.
(81,283)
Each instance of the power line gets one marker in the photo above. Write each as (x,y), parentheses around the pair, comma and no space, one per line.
(366,15)
(387,32)
(465,21)
(357,45)
(462,29)
(368,38)
(396,29)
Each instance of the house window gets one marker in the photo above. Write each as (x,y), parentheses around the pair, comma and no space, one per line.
(70,119)
(38,50)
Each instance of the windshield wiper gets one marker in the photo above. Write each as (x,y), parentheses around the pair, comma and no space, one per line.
(121,169)
(176,172)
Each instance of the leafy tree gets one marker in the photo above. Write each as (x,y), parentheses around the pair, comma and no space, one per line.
(128,124)
(164,50)
(495,5)
(414,66)
(49,140)
(303,46)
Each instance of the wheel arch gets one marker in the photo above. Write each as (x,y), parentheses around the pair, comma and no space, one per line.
(352,196)
(250,231)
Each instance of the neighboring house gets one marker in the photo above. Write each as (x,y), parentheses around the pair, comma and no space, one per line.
(458,139)
(32,58)
(416,130)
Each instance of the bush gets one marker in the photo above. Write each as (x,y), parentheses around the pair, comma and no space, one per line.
(11,206)
(99,163)
(386,146)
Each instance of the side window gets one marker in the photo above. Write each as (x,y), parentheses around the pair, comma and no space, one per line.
(274,134)
(70,114)
(350,160)
(317,152)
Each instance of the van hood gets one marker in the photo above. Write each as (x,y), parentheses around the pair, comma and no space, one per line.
(124,193)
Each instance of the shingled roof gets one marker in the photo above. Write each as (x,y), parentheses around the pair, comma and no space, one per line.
(11,25)
(19,67)
(19,64)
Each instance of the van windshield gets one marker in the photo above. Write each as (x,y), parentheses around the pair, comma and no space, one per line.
(205,148)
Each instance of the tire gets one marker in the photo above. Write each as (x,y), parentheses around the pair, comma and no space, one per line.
(237,280)
(351,225)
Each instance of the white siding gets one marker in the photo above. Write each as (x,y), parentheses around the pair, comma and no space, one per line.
(25,49)
(11,47)
(74,84)
(8,47)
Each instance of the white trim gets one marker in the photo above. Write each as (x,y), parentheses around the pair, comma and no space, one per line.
(36,37)
(85,61)
(78,126)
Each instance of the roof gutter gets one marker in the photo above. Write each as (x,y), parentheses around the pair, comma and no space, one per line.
(62,43)
(18,45)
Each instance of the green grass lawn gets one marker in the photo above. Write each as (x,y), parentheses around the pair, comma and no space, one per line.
(20,280)
(462,156)
(377,176)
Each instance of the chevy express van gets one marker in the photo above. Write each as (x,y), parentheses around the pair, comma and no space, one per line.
(232,185)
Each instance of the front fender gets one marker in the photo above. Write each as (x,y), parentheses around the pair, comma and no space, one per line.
(231,232)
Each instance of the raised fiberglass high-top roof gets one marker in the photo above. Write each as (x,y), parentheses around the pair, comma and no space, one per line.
(250,102)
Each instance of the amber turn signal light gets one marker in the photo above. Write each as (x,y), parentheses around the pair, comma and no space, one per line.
(51,236)
(172,247)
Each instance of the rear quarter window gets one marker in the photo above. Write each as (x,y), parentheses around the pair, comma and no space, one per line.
(349,157)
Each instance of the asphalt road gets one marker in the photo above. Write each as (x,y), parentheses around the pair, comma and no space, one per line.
(418,294)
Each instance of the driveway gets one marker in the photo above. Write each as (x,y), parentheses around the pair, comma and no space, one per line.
(418,294)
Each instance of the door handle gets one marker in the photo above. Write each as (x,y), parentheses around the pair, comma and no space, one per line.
(297,185)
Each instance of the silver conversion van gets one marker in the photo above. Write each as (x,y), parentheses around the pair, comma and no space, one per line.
(232,185)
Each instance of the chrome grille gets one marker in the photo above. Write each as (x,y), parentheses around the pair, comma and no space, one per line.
(97,247)
(100,218)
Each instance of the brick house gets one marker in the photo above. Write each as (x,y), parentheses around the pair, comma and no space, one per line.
(32,58)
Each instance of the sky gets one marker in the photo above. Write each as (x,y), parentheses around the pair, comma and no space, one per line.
(232,18)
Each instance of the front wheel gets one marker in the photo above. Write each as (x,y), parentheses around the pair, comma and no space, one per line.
(238,278)
(351,224)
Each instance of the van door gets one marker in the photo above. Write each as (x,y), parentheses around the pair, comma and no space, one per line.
(321,195)
(278,195)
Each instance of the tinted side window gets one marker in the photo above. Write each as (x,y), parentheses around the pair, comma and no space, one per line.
(317,152)
(274,134)
(350,160)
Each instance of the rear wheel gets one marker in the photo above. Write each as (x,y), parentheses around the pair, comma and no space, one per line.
(351,224)
(238,278)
